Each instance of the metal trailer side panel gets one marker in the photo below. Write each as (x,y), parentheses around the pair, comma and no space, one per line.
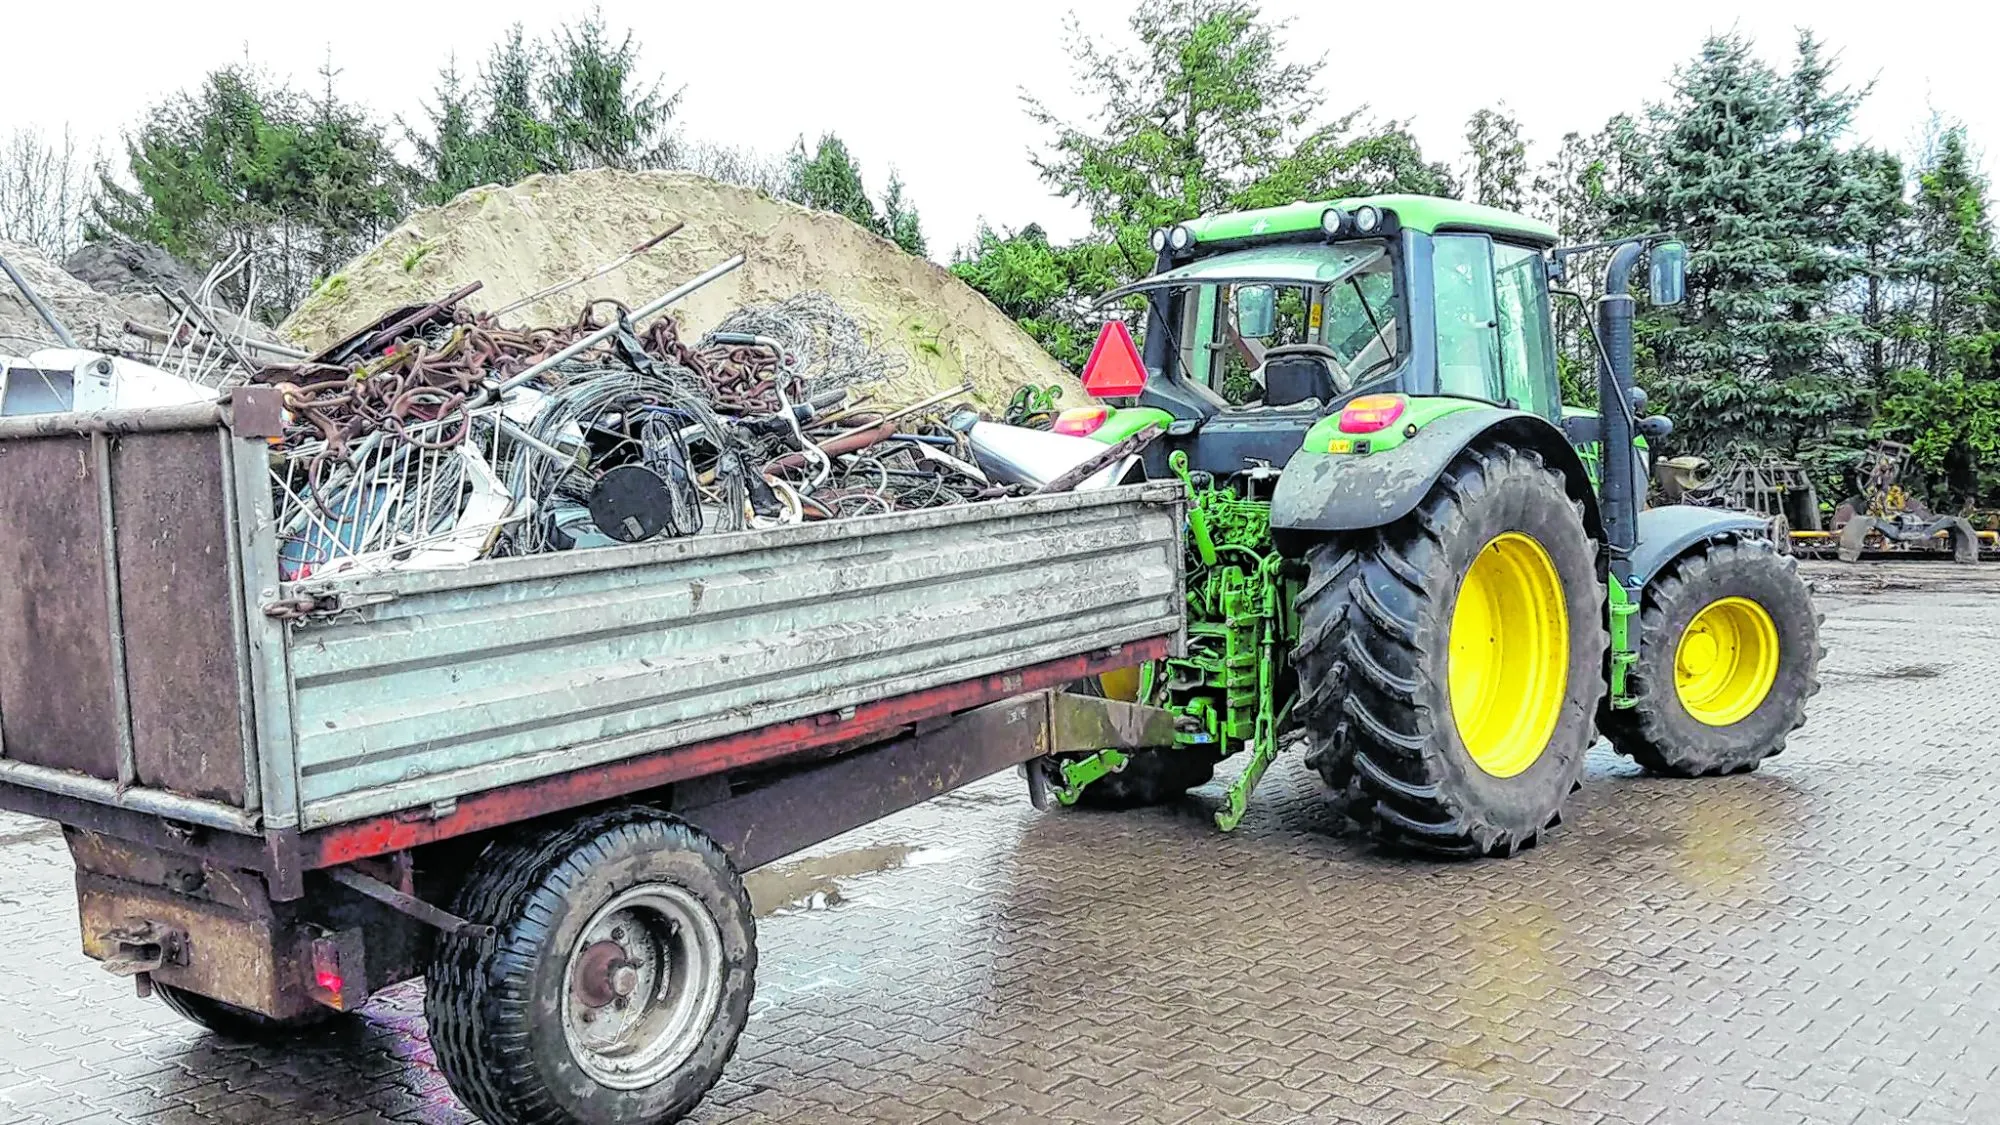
(445,683)
(120,635)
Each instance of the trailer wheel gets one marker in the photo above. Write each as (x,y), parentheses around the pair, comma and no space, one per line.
(232,1022)
(617,981)
(1729,654)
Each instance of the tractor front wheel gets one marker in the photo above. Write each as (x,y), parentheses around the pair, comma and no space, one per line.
(1150,777)
(1729,654)
(1471,651)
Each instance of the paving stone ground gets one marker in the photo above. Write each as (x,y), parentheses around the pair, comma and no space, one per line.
(1811,943)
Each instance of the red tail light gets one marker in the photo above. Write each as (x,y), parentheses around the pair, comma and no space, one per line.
(1370,413)
(1081,421)
(1115,369)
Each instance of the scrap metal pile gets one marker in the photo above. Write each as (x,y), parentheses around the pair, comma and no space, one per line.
(440,435)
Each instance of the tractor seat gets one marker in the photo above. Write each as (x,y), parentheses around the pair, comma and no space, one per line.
(1295,373)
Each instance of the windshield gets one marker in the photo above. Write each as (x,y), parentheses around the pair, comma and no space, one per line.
(1348,321)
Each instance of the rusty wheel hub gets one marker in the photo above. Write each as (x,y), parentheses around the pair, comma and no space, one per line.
(604,973)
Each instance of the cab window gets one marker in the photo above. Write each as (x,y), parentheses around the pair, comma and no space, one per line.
(1468,338)
(1354,317)
(1527,345)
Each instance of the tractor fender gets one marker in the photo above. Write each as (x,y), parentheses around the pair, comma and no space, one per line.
(1334,492)
(1667,532)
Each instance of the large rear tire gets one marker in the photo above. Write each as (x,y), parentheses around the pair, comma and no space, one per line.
(1729,654)
(1320,658)
(615,985)
(1472,652)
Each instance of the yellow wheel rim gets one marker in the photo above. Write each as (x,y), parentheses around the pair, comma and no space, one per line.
(1508,669)
(1726,661)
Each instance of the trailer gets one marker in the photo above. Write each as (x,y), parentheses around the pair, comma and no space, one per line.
(536,781)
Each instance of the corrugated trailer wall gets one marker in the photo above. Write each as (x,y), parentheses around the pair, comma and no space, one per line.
(517,669)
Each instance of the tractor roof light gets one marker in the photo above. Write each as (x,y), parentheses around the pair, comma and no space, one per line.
(1181,237)
(1371,413)
(1333,221)
(1081,421)
(1159,240)
(1367,219)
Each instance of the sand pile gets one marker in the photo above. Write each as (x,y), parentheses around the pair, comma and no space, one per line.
(97,320)
(548,228)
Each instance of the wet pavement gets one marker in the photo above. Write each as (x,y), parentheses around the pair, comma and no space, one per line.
(1811,943)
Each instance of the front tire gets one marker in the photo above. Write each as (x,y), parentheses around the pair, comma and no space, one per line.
(1472,653)
(617,981)
(1151,776)
(1729,654)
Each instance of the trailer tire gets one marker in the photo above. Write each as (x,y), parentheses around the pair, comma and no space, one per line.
(1662,731)
(616,982)
(232,1022)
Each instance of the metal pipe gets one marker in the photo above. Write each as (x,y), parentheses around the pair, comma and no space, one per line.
(47,314)
(132,420)
(114,614)
(162,336)
(605,333)
(156,802)
(1620,503)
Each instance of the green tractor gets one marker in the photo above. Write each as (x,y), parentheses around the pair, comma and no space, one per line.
(1403,545)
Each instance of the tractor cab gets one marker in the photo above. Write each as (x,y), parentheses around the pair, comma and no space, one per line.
(1261,324)
(1311,304)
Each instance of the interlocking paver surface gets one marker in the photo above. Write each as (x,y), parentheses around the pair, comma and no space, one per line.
(1811,943)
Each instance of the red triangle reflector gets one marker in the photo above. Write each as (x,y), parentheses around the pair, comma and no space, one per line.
(1115,369)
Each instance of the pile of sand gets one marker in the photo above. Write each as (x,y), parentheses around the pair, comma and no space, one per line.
(549,228)
(96,320)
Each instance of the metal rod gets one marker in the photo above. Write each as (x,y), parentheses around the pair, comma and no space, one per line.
(605,333)
(513,430)
(390,333)
(565,286)
(137,420)
(404,903)
(158,802)
(201,314)
(964,388)
(162,336)
(47,314)
(114,614)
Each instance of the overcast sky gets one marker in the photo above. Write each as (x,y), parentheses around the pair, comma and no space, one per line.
(932,89)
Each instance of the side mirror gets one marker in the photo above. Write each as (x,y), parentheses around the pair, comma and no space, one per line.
(1667,280)
(1256,311)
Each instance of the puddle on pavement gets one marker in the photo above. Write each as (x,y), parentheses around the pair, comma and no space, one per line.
(814,883)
